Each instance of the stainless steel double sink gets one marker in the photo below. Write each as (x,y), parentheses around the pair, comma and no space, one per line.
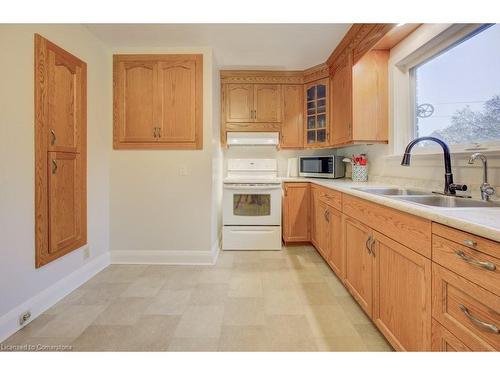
(429,199)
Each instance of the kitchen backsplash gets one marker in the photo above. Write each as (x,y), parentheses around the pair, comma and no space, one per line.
(425,172)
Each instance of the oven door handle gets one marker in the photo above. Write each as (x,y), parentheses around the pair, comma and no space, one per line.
(272,187)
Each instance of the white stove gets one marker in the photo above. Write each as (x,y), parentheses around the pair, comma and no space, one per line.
(252,205)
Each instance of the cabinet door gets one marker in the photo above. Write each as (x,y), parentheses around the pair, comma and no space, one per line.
(316,108)
(239,102)
(335,244)
(293,117)
(402,295)
(136,113)
(178,104)
(65,101)
(296,212)
(370,97)
(341,102)
(314,217)
(359,262)
(66,197)
(267,103)
(323,229)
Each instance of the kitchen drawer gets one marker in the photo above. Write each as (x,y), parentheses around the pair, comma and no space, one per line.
(472,241)
(331,197)
(468,311)
(444,341)
(409,230)
(474,265)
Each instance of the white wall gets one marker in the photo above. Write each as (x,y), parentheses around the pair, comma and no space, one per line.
(19,280)
(159,215)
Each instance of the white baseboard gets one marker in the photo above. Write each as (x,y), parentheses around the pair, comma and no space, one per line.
(170,257)
(9,323)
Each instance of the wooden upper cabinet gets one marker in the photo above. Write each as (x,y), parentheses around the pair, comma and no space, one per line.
(66,202)
(341,102)
(158,101)
(370,98)
(177,87)
(60,152)
(64,99)
(267,103)
(293,117)
(359,99)
(253,103)
(239,102)
(296,215)
(136,112)
(316,132)
(402,295)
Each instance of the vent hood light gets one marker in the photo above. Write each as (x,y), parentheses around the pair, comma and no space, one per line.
(252,138)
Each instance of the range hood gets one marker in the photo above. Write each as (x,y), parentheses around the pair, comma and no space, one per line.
(252,138)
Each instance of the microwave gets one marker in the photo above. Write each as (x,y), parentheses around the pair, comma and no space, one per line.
(322,166)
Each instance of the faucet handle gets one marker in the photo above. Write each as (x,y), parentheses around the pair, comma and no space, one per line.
(458,187)
(488,189)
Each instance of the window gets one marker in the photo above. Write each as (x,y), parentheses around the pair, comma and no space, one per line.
(457,92)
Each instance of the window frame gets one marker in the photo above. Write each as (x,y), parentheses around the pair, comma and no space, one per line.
(437,39)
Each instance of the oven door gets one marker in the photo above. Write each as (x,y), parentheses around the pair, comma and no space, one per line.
(252,204)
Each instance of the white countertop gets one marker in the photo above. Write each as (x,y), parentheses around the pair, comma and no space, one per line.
(484,222)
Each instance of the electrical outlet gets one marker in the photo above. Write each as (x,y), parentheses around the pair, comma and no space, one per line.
(86,253)
(24,317)
(183,171)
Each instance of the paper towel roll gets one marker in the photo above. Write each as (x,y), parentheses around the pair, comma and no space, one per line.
(293,167)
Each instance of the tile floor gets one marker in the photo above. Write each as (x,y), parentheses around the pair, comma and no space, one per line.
(249,301)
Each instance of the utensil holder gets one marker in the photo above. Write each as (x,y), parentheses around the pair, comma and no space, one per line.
(360,173)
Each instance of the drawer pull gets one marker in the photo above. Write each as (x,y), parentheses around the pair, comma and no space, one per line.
(470,243)
(486,326)
(368,245)
(486,265)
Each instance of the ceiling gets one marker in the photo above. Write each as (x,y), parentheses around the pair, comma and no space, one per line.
(263,46)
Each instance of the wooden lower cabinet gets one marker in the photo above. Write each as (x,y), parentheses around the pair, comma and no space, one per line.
(444,341)
(449,303)
(335,256)
(67,198)
(358,262)
(322,229)
(313,208)
(296,212)
(467,310)
(401,295)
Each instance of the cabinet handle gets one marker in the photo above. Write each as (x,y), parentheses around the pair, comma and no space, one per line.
(159,132)
(154,132)
(54,166)
(327,216)
(486,265)
(371,246)
(470,243)
(483,325)
(367,244)
(53,138)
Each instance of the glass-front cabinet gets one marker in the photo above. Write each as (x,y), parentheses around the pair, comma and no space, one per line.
(316,113)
